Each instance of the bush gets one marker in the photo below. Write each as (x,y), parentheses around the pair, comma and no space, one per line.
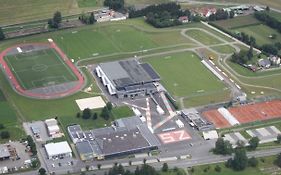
(5,135)
(218,168)
(2,126)
(253,162)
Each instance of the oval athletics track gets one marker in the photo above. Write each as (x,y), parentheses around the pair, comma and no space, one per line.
(50,95)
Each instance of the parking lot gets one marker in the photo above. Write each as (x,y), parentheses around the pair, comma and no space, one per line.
(42,131)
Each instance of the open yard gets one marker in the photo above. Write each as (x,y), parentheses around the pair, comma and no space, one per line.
(184,75)
(39,68)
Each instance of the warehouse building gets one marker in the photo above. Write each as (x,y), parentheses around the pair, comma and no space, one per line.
(58,150)
(128,78)
(125,136)
(4,152)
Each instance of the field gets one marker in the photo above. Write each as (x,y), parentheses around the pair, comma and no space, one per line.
(260,32)
(239,21)
(183,80)
(39,68)
(225,49)
(110,39)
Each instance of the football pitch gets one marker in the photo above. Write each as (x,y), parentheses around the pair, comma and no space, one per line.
(39,68)
(184,75)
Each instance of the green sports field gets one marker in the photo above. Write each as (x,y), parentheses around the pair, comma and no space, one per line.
(39,69)
(184,75)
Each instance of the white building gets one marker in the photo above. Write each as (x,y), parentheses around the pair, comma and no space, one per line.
(58,150)
(52,127)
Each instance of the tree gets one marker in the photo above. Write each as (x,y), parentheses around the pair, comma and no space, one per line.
(278,160)
(86,114)
(55,22)
(105,113)
(250,52)
(165,167)
(78,115)
(2,35)
(109,106)
(253,143)
(5,135)
(240,160)
(42,171)
(95,116)
(253,162)
(278,138)
(231,14)
(223,147)
(267,8)
(1,126)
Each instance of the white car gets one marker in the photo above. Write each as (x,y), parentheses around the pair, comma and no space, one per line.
(53,165)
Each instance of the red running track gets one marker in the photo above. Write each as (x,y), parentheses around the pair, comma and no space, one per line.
(24,92)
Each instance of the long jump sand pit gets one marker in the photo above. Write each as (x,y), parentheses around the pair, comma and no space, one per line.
(91,103)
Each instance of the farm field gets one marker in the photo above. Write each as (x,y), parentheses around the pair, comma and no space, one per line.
(181,79)
(203,37)
(237,22)
(260,32)
(18,11)
(39,68)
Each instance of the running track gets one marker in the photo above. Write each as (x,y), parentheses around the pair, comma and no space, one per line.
(24,92)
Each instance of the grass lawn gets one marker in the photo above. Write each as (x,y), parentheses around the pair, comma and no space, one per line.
(225,49)
(207,98)
(260,32)
(39,68)
(107,39)
(239,21)
(184,75)
(203,37)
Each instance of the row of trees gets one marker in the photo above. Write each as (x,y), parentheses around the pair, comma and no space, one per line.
(162,15)
(31,144)
(224,147)
(143,170)
(2,35)
(116,5)
(106,113)
(268,20)
(221,14)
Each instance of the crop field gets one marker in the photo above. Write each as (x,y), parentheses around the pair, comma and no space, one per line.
(183,80)
(261,33)
(39,69)
(89,3)
(18,11)
(203,37)
(236,22)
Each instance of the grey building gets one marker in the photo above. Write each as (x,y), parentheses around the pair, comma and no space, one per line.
(4,152)
(127,78)
(125,136)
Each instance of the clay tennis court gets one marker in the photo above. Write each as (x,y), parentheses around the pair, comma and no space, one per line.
(257,112)
(216,118)
(246,113)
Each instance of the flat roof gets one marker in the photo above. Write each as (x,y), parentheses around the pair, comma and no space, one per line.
(4,152)
(128,72)
(58,148)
